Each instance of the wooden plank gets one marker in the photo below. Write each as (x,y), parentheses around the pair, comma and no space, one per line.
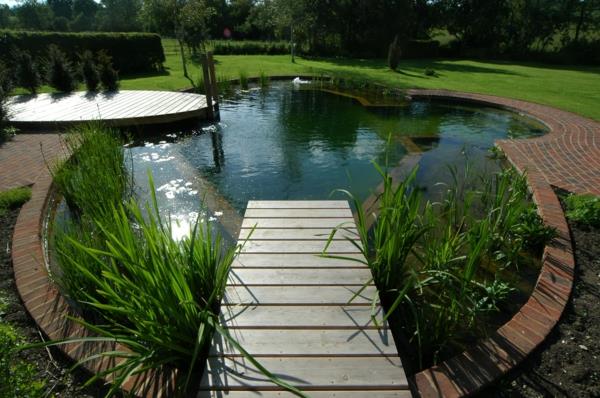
(326,223)
(298,213)
(267,342)
(307,373)
(299,317)
(305,295)
(290,308)
(296,234)
(123,107)
(295,260)
(299,276)
(313,394)
(298,204)
(298,246)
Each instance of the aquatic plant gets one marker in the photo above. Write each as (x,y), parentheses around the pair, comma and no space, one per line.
(224,84)
(94,178)
(243,80)
(439,266)
(158,296)
(263,79)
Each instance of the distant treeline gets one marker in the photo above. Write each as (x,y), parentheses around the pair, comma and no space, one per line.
(546,30)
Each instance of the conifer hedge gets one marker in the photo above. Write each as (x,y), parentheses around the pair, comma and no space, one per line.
(130,52)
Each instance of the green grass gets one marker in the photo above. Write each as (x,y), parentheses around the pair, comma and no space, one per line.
(572,88)
(14,198)
(575,89)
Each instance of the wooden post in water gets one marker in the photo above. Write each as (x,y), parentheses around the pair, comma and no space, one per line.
(213,80)
(207,88)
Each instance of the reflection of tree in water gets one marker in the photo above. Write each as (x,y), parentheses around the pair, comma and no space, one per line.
(307,121)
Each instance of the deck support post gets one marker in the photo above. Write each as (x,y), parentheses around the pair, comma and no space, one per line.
(210,85)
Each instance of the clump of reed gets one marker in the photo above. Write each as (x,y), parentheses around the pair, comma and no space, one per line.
(94,178)
(263,79)
(440,267)
(133,283)
(244,80)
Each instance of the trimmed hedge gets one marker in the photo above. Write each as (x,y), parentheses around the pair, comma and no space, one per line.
(249,47)
(130,52)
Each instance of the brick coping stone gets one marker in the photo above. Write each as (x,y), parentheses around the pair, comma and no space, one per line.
(567,157)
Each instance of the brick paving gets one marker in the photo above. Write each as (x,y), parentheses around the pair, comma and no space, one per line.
(23,158)
(567,157)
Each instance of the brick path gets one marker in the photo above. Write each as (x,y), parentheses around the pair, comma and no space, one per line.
(21,159)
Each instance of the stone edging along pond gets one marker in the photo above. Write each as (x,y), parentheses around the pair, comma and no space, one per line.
(462,375)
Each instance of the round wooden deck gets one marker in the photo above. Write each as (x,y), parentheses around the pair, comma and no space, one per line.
(121,108)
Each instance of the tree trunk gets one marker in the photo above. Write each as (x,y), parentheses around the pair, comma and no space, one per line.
(581,20)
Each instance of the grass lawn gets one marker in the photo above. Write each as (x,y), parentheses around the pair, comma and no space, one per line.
(573,88)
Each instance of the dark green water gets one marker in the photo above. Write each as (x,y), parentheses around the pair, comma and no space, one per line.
(285,143)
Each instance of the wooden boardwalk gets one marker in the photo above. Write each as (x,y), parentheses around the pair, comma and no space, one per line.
(289,308)
(121,108)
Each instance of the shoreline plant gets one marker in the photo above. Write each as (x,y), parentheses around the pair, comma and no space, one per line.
(440,267)
(132,282)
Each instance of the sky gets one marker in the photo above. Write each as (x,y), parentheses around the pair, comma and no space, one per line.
(9,2)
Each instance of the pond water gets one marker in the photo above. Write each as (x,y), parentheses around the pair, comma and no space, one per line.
(287,143)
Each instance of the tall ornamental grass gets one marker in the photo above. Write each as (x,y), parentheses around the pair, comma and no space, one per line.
(440,267)
(94,178)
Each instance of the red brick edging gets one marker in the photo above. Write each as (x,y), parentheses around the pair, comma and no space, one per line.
(553,159)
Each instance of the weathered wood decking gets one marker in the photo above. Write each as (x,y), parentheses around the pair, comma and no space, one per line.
(289,308)
(121,108)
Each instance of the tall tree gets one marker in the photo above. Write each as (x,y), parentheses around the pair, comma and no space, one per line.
(34,15)
(120,15)
(84,15)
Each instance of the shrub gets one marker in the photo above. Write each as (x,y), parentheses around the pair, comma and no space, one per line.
(14,198)
(131,52)
(61,74)
(89,71)
(5,88)
(583,209)
(18,377)
(28,75)
(108,75)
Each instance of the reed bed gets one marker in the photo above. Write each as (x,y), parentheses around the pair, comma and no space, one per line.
(440,267)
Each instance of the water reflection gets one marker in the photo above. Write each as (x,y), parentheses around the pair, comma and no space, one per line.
(283,144)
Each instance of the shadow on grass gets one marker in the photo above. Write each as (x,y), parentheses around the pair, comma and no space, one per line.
(414,65)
